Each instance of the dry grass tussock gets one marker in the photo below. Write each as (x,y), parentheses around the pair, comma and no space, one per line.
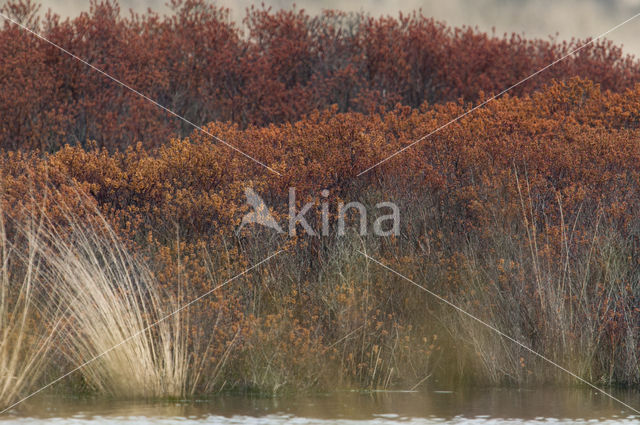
(115,311)
(68,285)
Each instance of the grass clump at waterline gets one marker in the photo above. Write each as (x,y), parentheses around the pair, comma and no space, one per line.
(72,295)
(114,311)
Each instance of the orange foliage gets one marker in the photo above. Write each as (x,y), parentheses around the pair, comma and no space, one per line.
(570,151)
(320,99)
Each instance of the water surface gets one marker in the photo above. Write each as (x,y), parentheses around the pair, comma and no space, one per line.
(478,406)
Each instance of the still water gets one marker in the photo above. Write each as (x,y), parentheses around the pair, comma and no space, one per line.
(479,406)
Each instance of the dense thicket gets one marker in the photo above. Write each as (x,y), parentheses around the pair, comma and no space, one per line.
(275,67)
(524,213)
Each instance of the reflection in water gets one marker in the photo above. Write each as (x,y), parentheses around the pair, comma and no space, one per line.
(494,406)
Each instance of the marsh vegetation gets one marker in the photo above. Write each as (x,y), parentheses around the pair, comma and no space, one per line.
(525,213)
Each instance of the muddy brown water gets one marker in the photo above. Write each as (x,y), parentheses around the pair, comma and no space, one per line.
(444,406)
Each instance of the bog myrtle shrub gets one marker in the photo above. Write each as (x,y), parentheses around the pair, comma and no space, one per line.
(523,213)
